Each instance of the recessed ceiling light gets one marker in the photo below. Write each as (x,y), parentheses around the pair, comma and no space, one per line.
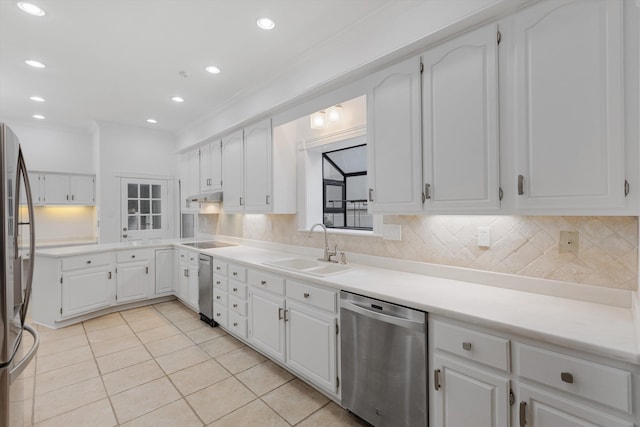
(212,69)
(177,99)
(266,23)
(154,121)
(35,64)
(31,9)
(38,116)
(37,98)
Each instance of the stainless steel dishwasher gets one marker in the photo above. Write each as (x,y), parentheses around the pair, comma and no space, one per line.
(205,289)
(384,361)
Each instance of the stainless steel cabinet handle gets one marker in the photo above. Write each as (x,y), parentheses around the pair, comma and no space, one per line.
(235,305)
(217,296)
(263,282)
(280,310)
(286,318)
(147,269)
(67,197)
(436,379)
(235,324)
(109,276)
(241,201)
(217,282)
(520,185)
(427,191)
(371,194)
(235,273)
(217,314)
(218,268)
(566,377)
(306,295)
(466,346)
(89,262)
(268,200)
(523,414)
(235,289)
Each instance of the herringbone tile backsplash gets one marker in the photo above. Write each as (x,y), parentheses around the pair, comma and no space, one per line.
(526,246)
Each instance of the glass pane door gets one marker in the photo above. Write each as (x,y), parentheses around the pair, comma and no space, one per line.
(144,202)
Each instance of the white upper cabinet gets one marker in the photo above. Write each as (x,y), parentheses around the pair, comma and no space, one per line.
(233,173)
(189,178)
(460,123)
(257,163)
(82,189)
(49,188)
(394,141)
(211,166)
(569,107)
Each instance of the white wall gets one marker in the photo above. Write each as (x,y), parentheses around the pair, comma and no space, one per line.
(130,151)
(55,148)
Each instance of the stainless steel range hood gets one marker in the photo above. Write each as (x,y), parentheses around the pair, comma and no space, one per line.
(213,197)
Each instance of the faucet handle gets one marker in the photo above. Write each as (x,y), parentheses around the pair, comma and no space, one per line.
(343,258)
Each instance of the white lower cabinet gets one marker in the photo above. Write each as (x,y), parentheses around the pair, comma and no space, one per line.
(86,290)
(166,271)
(473,383)
(134,275)
(467,395)
(267,328)
(188,278)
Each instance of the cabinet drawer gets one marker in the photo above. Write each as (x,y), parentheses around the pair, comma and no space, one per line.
(603,384)
(237,272)
(238,324)
(324,299)
(84,261)
(220,314)
(238,289)
(267,281)
(472,345)
(237,305)
(219,267)
(133,255)
(220,282)
(219,297)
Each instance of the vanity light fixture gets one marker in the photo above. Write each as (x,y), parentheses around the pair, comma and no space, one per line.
(177,99)
(334,114)
(266,23)
(38,116)
(153,121)
(318,120)
(212,69)
(35,64)
(37,98)
(30,8)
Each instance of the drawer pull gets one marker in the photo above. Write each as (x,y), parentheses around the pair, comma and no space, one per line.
(218,268)
(89,262)
(235,273)
(263,282)
(280,310)
(306,295)
(436,379)
(523,413)
(218,314)
(217,296)
(466,346)
(235,305)
(566,377)
(235,289)
(217,282)
(133,256)
(235,324)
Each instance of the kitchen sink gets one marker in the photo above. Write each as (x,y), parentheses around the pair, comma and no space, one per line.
(309,266)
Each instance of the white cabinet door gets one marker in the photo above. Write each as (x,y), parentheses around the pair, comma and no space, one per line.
(394,144)
(189,171)
(569,107)
(82,189)
(233,173)
(311,345)
(460,123)
(37,188)
(257,167)
(266,323)
(215,163)
(205,168)
(133,281)
(468,396)
(56,189)
(541,409)
(87,290)
(165,271)
(183,281)
(193,282)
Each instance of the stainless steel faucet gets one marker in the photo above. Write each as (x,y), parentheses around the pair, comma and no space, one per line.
(327,252)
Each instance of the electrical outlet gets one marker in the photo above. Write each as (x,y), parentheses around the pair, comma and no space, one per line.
(484,237)
(392,232)
(568,242)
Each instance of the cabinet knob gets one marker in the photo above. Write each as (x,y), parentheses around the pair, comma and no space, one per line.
(217,314)
(466,346)
(263,282)
(218,268)
(217,296)
(217,282)
(235,324)
(235,273)
(306,295)
(235,289)
(89,262)
(566,377)
(235,305)
(133,256)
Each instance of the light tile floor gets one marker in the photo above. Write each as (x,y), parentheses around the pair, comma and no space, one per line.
(160,366)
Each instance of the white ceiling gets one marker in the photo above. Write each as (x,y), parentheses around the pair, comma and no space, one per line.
(119,60)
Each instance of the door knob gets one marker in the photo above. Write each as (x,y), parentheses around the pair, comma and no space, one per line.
(124,235)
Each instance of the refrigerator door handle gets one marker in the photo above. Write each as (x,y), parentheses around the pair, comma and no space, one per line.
(21,173)
(19,367)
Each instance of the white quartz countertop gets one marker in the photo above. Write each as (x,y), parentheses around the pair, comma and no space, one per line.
(599,329)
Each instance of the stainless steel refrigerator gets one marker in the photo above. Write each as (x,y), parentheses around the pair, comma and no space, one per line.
(17,239)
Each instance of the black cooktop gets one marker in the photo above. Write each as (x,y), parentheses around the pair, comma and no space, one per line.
(207,245)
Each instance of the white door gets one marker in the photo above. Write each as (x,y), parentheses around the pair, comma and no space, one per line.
(266,323)
(82,189)
(133,281)
(311,344)
(144,207)
(460,123)
(233,173)
(394,146)
(86,290)
(541,409)
(569,109)
(257,167)
(468,396)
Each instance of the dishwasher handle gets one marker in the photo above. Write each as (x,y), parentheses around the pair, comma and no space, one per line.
(415,325)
